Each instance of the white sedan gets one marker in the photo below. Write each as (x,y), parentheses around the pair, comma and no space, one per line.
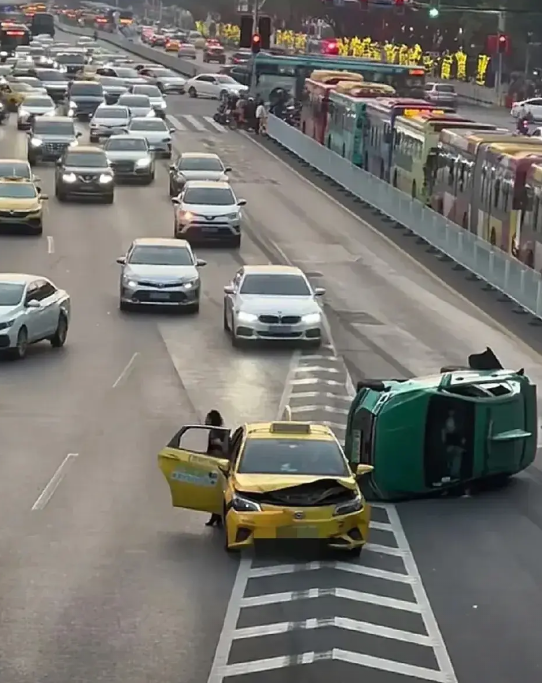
(215,86)
(273,303)
(532,106)
(32,309)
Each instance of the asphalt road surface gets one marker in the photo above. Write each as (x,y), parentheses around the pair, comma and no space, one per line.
(107,583)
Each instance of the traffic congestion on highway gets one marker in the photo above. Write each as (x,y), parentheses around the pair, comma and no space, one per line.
(152,263)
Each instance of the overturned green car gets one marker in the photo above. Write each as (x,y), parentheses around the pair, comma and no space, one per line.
(427,435)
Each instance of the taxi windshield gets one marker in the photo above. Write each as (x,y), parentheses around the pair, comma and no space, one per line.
(17,191)
(293,456)
(11,169)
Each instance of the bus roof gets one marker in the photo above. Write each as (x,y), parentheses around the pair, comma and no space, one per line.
(334,77)
(468,140)
(512,147)
(333,63)
(436,121)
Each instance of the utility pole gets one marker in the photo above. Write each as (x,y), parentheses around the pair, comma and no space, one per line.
(257,6)
(502,31)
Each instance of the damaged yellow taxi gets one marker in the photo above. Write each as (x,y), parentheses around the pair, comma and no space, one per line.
(270,481)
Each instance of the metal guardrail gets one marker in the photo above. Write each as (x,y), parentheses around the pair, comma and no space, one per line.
(517,282)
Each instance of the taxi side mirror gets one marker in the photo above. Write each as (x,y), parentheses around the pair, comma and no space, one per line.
(362,470)
(224,467)
(44,196)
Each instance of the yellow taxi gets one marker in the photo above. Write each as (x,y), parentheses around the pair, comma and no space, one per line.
(12,93)
(21,205)
(172,45)
(271,481)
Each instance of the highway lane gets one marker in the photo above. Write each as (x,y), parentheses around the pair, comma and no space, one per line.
(498,116)
(107,581)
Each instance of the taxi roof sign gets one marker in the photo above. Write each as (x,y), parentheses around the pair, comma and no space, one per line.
(290,428)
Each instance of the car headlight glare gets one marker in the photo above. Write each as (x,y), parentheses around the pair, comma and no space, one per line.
(143,163)
(246,317)
(312,318)
(354,505)
(128,282)
(36,142)
(162,105)
(191,284)
(242,504)
(105,178)
(23,113)
(69,177)
(73,105)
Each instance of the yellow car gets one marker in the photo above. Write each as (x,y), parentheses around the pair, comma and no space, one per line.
(21,205)
(172,46)
(13,94)
(281,480)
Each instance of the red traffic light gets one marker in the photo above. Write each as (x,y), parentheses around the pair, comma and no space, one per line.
(256,38)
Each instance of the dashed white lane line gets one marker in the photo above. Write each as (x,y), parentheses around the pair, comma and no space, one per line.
(50,244)
(49,491)
(126,371)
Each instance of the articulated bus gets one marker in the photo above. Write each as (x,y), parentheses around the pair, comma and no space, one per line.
(290,73)
(346,121)
(379,137)
(315,101)
(530,234)
(498,198)
(452,178)
(415,149)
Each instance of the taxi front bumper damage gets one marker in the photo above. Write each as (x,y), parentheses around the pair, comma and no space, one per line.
(306,513)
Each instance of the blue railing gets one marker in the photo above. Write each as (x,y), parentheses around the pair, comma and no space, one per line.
(516,281)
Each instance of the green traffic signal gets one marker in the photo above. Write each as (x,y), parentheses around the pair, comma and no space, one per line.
(433,12)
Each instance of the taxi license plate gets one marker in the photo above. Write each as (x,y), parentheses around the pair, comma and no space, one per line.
(159,296)
(301,531)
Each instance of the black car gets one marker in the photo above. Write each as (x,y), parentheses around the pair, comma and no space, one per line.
(84,172)
(49,137)
(84,97)
(73,62)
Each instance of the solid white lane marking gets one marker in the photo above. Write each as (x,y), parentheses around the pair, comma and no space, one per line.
(313,408)
(214,124)
(50,244)
(382,526)
(48,492)
(127,370)
(323,394)
(281,569)
(176,123)
(383,549)
(317,368)
(314,380)
(343,593)
(441,653)
(333,622)
(198,125)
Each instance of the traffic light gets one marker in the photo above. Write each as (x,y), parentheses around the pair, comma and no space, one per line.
(502,44)
(245,25)
(434,8)
(264,31)
(256,44)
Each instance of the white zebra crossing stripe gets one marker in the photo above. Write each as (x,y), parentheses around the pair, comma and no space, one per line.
(214,124)
(198,125)
(189,123)
(176,123)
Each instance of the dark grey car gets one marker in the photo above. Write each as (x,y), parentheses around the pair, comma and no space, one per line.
(84,97)
(84,172)
(49,137)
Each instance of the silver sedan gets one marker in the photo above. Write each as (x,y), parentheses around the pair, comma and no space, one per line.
(156,132)
(130,158)
(272,303)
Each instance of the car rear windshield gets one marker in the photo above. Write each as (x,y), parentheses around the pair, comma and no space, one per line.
(39,102)
(161,256)
(135,100)
(164,72)
(10,293)
(44,127)
(51,75)
(216,196)
(110,113)
(91,89)
(126,73)
(18,191)
(293,456)
(71,59)
(126,144)
(86,159)
(275,285)
(149,124)
(148,90)
(445,88)
(199,164)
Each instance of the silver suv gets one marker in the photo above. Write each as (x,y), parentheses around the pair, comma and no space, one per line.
(443,94)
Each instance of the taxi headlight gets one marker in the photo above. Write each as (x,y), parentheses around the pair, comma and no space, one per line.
(354,505)
(143,163)
(312,318)
(246,317)
(36,142)
(241,504)
(69,177)
(105,178)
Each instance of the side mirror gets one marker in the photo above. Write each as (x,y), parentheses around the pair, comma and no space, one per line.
(362,470)
(175,200)
(227,170)
(36,178)
(224,467)
(228,289)
(58,162)
(242,202)
(121,260)
(200,263)
(44,196)
(319,291)
(172,167)
(172,130)
(78,134)
(33,304)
